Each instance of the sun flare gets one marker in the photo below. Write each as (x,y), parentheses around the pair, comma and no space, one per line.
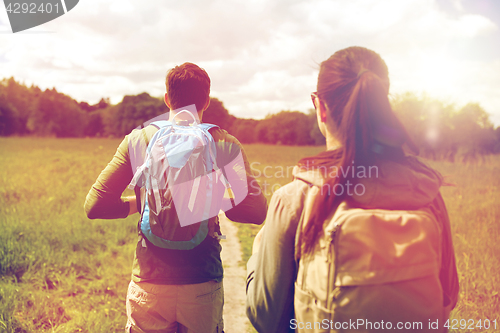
(436,74)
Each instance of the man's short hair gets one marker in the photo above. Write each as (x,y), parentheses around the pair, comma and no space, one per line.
(187,84)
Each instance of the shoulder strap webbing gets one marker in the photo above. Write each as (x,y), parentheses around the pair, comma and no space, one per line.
(161,123)
(207,126)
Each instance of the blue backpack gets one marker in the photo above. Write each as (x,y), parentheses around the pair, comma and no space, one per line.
(181,186)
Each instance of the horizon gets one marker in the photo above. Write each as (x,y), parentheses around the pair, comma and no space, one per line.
(420,96)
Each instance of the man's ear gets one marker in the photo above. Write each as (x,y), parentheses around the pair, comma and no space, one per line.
(167,101)
(206,104)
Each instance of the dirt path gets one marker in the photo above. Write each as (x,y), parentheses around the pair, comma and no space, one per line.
(235,319)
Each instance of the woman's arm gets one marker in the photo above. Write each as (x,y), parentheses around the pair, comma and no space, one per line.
(271,270)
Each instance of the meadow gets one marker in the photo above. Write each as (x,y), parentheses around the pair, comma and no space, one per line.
(61,272)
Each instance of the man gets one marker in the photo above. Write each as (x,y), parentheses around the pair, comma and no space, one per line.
(173,290)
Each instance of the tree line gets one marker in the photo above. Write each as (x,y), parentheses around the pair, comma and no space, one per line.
(440,130)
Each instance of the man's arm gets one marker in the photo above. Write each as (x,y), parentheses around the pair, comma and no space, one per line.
(253,207)
(104,199)
(132,200)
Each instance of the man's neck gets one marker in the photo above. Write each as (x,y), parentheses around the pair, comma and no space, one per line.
(185,116)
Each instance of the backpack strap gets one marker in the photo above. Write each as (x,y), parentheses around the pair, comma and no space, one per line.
(207,126)
(312,195)
(145,227)
(146,140)
(304,219)
(161,123)
(227,185)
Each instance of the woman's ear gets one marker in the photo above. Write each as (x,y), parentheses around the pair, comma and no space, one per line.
(322,110)
(321,117)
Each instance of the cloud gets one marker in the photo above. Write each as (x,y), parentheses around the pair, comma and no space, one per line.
(262,56)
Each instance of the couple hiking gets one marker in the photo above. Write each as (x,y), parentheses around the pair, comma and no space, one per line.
(325,259)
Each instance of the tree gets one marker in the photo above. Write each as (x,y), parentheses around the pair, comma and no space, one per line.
(23,100)
(286,127)
(9,118)
(132,112)
(95,125)
(475,129)
(317,138)
(244,130)
(57,114)
(103,103)
(218,115)
(440,131)
(496,149)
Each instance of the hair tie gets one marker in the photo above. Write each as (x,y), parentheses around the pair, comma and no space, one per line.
(364,70)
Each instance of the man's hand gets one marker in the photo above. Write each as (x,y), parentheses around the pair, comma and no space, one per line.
(132,201)
(256,241)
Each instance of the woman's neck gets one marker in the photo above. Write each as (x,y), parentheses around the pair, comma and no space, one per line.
(332,142)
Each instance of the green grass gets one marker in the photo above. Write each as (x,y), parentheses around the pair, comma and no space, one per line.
(60,272)
(474,208)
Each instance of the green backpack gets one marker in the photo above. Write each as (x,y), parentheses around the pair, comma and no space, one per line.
(373,270)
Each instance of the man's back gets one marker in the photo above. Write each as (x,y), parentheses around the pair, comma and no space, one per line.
(174,290)
(165,266)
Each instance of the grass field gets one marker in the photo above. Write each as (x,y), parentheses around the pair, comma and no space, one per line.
(60,272)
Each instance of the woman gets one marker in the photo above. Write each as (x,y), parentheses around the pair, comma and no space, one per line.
(363,167)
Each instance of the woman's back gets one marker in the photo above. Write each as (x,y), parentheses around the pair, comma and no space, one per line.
(379,258)
(362,232)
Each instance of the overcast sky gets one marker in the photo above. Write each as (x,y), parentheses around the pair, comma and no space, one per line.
(262,55)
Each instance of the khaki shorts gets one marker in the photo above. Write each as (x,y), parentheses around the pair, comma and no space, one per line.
(190,308)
